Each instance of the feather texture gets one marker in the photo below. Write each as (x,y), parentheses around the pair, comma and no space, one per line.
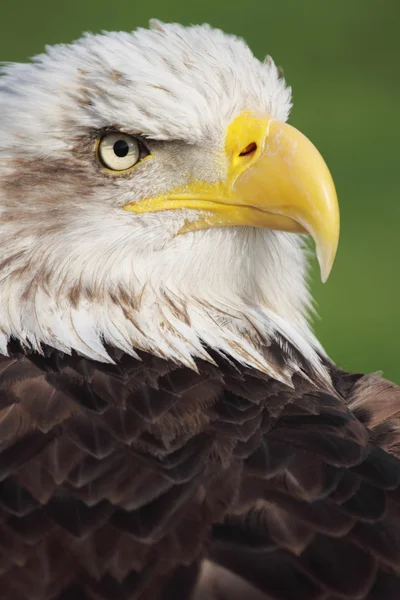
(76,270)
(117,481)
(169,425)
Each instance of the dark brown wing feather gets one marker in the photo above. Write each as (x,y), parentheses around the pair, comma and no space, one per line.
(327,523)
(117,480)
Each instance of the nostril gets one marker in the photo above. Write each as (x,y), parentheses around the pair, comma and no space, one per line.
(249,149)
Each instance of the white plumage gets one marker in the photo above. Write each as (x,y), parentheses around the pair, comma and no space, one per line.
(77,271)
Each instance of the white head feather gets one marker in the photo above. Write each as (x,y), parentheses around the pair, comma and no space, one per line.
(76,270)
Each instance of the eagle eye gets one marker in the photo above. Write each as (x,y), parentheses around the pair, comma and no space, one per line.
(119,151)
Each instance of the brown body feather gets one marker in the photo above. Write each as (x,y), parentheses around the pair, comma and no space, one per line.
(117,481)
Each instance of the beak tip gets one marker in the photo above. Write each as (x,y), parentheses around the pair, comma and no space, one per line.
(324,276)
(326,261)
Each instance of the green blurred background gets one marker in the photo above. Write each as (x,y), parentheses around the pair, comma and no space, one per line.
(342,59)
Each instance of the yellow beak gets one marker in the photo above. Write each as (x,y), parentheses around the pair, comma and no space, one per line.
(276,179)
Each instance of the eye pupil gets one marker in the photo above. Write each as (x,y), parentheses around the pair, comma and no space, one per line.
(121,148)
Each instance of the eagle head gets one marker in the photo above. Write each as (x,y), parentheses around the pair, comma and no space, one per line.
(153,197)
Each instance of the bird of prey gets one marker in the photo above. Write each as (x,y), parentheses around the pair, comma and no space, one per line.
(170,427)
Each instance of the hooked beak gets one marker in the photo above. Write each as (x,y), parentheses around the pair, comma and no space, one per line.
(276,179)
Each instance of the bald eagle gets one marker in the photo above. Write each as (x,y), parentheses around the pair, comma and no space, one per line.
(170,427)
